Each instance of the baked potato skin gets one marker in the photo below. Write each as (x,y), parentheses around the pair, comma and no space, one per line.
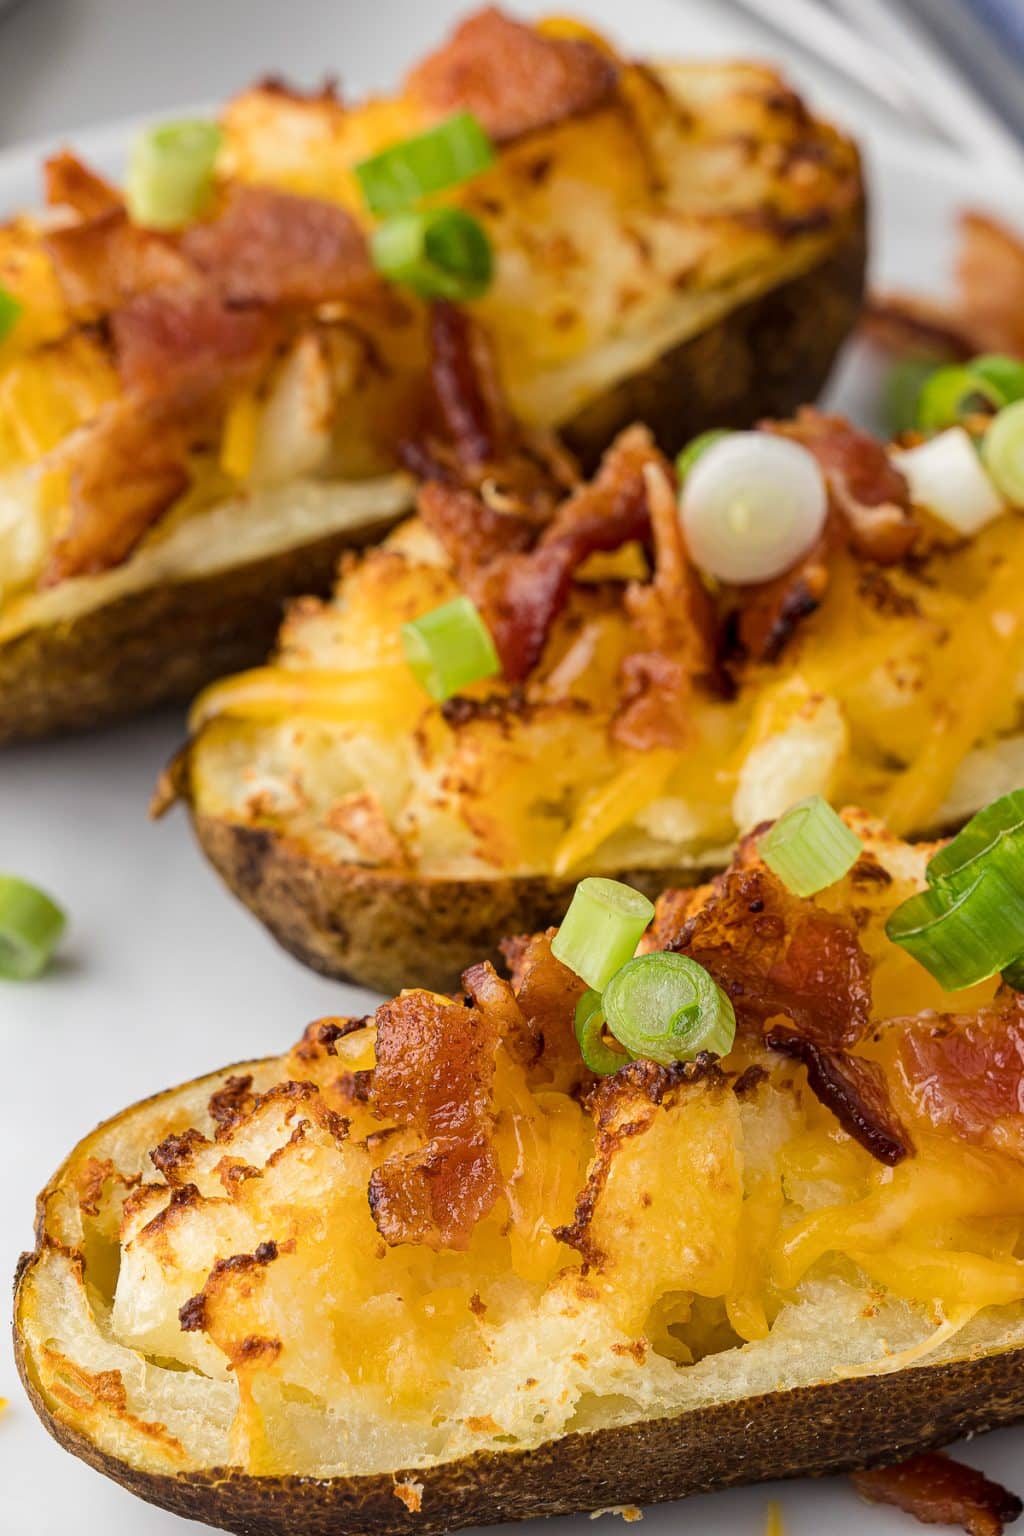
(765,358)
(388,929)
(159,645)
(162,644)
(836,1426)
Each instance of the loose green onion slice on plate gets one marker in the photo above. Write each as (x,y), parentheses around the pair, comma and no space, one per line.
(30,928)
(170,174)
(590,1026)
(687,458)
(993,836)
(10,311)
(950,394)
(1002,449)
(963,932)
(440,253)
(449,648)
(809,847)
(402,174)
(666,1007)
(601,929)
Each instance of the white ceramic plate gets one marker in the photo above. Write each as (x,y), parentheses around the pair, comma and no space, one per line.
(164,976)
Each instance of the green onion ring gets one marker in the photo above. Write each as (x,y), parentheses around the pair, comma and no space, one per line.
(589,1023)
(809,847)
(601,929)
(30,928)
(667,1008)
(449,648)
(442,157)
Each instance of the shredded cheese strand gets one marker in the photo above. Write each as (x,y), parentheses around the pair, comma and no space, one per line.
(611,805)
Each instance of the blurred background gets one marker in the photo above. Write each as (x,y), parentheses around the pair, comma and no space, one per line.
(934,69)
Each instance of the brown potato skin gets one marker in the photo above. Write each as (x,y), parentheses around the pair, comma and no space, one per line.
(388,929)
(161,645)
(837,1426)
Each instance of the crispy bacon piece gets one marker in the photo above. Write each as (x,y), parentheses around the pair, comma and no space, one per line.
(854,1089)
(546,994)
(466,386)
(471,533)
(866,489)
(180,340)
(512,77)
(771,611)
(106,260)
(271,247)
(125,472)
(939,1491)
(434,1071)
(521,595)
(965,1073)
(985,315)
(676,617)
(775,954)
(492,995)
(69,183)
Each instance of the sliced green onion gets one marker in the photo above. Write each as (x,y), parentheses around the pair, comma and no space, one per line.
(953,393)
(440,253)
(449,648)
(666,1007)
(1002,449)
(1013,975)
(902,392)
(1004,374)
(810,847)
(442,157)
(10,312)
(601,929)
(752,504)
(30,927)
(946,476)
(694,448)
(170,174)
(996,834)
(963,934)
(590,1025)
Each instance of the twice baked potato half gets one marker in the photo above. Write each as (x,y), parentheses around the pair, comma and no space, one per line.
(427,1270)
(195,421)
(648,710)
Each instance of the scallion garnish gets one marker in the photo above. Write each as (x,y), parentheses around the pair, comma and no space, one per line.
(950,394)
(902,392)
(601,929)
(170,174)
(10,311)
(1003,374)
(399,176)
(30,928)
(1002,449)
(1013,975)
(963,932)
(809,847)
(590,1026)
(440,253)
(687,458)
(667,1007)
(996,833)
(449,648)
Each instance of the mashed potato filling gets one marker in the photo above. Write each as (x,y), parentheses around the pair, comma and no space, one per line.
(217,1291)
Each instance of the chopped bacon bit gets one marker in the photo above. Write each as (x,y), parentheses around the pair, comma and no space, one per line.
(546,994)
(107,260)
(771,611)
(125,472)
(471,533)
(775,954)
(965,1073)
(986,313)
(434,1072)
(867,490)
(939,1491)
(271,247)
(493,996)
(854,1089)
(69,183)
(181,339)
(466,386)
(511,77)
